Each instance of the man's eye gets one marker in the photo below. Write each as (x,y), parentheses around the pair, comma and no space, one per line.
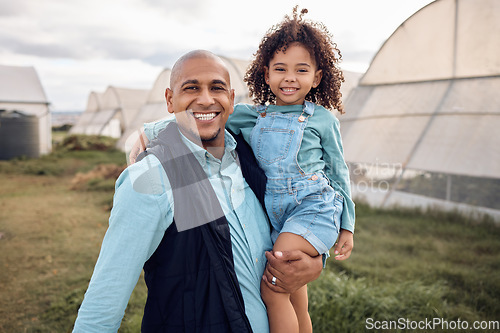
(218,88)
(190,88)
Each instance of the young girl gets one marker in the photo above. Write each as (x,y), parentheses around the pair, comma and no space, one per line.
(298,145)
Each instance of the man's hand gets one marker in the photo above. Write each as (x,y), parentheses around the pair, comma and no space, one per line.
(344,245)
(292,269)
(139,147)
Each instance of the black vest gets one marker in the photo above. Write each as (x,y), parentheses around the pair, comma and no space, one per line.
(192,285)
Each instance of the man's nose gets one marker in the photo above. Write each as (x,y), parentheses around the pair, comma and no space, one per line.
(205,97)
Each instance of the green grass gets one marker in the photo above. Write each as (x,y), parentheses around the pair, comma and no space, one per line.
(414,265)
(405,264)
(72,153)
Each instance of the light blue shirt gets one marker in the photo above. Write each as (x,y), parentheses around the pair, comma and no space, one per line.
(143,210)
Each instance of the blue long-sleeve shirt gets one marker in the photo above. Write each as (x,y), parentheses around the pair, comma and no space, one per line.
(143,210)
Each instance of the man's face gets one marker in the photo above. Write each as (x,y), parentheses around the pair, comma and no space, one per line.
(202,100)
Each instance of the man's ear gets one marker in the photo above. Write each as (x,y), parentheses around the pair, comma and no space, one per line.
(231,99)
(168,97)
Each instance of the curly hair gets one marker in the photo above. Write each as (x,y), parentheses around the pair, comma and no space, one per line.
(316,38)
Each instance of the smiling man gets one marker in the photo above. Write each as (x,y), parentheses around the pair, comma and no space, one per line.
(201,98)
(186,215)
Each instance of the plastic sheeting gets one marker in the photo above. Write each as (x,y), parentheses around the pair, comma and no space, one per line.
(110,113)
(425,116)
(446,39)
(444,126)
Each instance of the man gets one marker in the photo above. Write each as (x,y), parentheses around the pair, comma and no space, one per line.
(185,213)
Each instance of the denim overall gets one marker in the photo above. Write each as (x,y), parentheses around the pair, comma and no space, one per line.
(297,202)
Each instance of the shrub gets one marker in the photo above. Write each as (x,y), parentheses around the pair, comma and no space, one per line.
(341,304)
(87,142)
(101,178)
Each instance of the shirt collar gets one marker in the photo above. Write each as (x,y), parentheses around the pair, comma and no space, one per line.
(202,154)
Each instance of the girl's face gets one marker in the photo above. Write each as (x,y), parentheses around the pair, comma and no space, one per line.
(292,74)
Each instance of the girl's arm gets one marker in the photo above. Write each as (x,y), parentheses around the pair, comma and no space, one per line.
(337,172)
(242,120)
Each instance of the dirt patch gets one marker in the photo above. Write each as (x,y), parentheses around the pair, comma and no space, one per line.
(95,178)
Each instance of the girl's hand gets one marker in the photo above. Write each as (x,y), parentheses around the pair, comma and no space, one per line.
(139,147)
(344,245)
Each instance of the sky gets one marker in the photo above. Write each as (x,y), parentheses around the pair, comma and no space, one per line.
(79,46)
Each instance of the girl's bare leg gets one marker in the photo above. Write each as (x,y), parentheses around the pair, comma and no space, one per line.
(288,313)
(300,304)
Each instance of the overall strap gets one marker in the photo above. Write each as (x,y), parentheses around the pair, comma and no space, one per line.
(309,108)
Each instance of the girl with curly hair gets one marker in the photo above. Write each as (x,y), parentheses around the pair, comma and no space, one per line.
(294,80)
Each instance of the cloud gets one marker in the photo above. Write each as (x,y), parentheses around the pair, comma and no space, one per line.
(11,8)
(46,50)
(80,44)
(92,75)
(186,9)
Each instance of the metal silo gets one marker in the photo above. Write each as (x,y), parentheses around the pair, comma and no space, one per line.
(19,135)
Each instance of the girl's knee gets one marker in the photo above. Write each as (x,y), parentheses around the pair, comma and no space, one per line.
(287,241)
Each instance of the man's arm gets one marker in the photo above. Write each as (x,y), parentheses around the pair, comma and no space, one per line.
(292,269)
(134,225)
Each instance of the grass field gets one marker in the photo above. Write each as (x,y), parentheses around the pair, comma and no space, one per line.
(406,264)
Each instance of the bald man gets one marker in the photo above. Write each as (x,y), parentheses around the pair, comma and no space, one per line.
(186,215)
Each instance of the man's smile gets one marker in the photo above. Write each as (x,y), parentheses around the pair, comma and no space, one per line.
(204,116)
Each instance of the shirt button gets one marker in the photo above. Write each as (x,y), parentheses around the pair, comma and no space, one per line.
(256,259)
(314,177)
